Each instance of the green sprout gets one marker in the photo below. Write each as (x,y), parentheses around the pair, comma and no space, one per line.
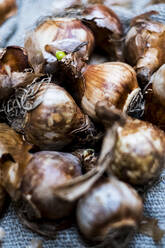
(60,55)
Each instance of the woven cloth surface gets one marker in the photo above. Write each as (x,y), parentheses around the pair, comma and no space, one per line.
(12,32)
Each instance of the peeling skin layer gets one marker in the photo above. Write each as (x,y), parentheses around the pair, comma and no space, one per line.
(51,123)
(139,153)
(14,158)
(45,172)
(107,29)
(13,59)
(109,205)
(145,47)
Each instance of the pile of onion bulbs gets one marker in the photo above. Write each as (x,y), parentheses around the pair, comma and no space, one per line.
(82,123)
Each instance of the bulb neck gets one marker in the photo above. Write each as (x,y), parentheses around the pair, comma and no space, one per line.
(135,104)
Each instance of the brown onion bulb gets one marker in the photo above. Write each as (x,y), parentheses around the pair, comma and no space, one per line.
(48,37)
(114,82)
(8,8)
(111,208)
(45,172)
(144,47)
(155,99)
(139,149)
(107,29)
(56,120)
(139,153)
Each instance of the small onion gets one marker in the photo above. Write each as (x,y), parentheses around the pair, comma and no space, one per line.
(144,46)
(114,82)
(110,209)
(48,116)
(45,172)
(139,154)
(139,150)
(51,35)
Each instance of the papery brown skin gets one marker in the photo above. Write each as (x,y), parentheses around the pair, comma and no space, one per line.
(39,43)
(144,47)
(55,122)
(8,84)
(110,209)
(13,58)
(13,62)
(46,171)
(139,152)
(8,8)
(14,156)
(157,83)
(111,81)
(107,29)
(155,99)
(154,110)
(149,226)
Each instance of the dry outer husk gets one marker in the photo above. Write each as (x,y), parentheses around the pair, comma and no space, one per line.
(149,226)
(14,70)
(13,58)
(144,46)
(25,86)
(14,156)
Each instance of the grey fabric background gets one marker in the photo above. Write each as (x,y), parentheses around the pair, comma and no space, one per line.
(17,236)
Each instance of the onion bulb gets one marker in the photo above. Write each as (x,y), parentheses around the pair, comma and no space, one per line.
(110,208)
(144,46)
(46,171)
